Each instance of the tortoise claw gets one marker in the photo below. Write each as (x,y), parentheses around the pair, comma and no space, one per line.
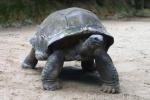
(51,86)
(26,66)
(110,88)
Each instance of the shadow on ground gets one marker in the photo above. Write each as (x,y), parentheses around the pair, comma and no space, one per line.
(70,73)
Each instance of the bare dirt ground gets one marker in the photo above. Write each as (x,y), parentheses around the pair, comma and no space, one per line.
(130,53)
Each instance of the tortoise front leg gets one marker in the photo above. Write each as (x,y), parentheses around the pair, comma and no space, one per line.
(30,61)
(52,70)
(107,72)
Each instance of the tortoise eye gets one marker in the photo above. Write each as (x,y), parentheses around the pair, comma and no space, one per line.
(96,39)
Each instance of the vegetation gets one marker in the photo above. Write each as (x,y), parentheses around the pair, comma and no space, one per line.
(34,11)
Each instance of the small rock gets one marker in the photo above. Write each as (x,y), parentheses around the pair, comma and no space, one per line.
(1,72)
(147,83)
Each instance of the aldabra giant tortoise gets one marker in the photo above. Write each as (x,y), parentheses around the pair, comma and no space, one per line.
(73,34)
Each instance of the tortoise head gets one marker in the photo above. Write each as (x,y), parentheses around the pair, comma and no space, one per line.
(94,41)
(40,46)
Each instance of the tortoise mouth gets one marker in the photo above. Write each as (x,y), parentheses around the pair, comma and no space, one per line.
(40,55)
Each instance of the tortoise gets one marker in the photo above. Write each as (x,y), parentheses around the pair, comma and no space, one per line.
(73,34)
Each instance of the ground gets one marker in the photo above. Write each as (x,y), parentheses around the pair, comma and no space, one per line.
(130,53)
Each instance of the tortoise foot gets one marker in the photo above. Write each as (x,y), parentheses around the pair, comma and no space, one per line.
(110,88)
(27,66)
(51,86)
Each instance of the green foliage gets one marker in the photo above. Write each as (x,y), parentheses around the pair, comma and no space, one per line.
(23,10)
(34,11)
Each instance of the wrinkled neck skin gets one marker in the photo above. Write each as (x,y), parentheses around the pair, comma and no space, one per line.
(41,55)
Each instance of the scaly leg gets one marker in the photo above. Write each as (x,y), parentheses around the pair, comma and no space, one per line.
(30,61)
(107,71)
(52,70)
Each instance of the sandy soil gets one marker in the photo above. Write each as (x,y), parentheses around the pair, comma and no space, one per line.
(130,53)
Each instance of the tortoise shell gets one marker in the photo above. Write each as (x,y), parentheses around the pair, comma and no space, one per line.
(64,24)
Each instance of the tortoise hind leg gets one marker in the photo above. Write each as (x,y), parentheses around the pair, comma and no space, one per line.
(52,70)
(107,72)
(88,65)
(30,61)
